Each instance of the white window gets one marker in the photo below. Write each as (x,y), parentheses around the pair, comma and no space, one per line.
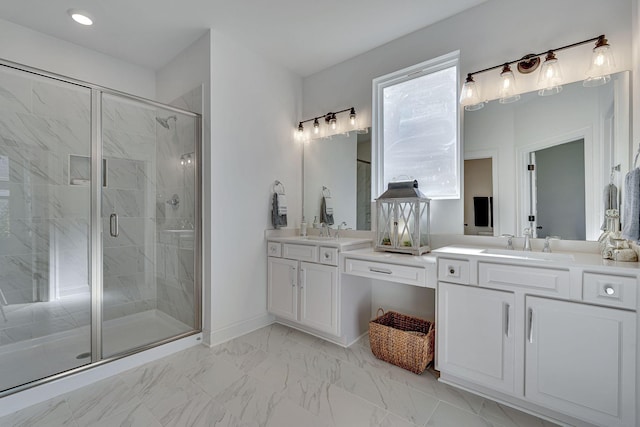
(416,128)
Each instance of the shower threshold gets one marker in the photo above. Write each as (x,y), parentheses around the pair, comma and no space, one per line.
(31,360)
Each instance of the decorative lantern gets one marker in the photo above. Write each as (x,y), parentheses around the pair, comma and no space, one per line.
(403,219)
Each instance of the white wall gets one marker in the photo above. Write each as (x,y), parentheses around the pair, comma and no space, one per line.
(25,46)
(254,105)
(486,35)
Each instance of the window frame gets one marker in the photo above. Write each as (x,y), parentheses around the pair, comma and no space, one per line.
(448,60)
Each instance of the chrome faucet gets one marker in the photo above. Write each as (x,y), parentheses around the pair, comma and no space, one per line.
(342,224)
(527,239)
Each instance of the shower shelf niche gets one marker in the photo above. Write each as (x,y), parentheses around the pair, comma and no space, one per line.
(80,170)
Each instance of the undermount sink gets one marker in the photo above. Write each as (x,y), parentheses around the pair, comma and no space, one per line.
(320,238)
(549,256)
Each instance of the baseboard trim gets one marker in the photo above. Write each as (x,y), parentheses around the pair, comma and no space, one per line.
(222,335)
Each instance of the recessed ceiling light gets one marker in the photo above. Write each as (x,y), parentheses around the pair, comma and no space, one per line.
(80,16)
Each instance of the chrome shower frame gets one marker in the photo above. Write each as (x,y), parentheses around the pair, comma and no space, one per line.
(96,223)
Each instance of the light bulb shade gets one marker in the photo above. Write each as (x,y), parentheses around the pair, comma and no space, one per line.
(507,90)
(550,78)
(352,116)
(300,128)
(316,126)
(333,122)
(470,95)
(602,64)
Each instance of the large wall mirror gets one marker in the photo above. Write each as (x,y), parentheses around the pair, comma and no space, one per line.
(339,167)
(543,162)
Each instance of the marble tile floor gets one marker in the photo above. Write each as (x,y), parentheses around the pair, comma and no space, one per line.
(275,376)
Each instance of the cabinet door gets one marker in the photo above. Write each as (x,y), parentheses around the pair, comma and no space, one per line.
(319,297)
(282,287)
(475,332)
(580,360)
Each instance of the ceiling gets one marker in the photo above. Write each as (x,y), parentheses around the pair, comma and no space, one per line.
(304,36)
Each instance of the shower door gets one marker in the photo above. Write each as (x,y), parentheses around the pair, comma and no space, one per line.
(45,205)
(148,221)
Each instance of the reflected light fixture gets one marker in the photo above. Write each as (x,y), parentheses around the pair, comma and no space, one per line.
(508,92)
(331,119)
(550,78)
(80,16)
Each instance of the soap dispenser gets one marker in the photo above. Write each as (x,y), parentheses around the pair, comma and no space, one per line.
(303,228)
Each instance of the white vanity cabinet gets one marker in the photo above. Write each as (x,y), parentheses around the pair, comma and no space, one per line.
(282,279)
(580,360)
(558,340)
(475,334)
(304,289)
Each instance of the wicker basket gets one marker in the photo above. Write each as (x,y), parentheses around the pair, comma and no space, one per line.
(403,340)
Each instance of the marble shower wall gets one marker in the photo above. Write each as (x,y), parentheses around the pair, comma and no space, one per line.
(44,221)
(175,224)
(129,150)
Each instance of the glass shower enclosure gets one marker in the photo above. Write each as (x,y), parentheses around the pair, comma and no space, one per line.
(99,225)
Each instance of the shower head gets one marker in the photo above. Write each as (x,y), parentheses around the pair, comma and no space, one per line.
(165,122)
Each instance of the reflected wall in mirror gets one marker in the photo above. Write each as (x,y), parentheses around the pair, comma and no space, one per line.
(515,135)
(342,165)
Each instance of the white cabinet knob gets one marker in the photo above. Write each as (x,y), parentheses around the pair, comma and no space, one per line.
(608,289)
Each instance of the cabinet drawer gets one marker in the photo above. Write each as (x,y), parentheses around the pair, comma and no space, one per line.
(274,249)
(300,252)
(545,281)
(392,272)
(453,270)
(329,256)
(614,291)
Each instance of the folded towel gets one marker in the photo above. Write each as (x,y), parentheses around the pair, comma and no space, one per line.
(282,204)
(277,220)
(610,201)
(631,208)
(328,204)
(325,216)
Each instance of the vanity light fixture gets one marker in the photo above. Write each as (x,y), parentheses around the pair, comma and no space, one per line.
(470,96)
(550,78)
(331,119)
(80,16)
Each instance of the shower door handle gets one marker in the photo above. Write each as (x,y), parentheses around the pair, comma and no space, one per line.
(113,225)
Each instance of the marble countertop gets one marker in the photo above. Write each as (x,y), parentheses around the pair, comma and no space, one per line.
(584,260)
(392,258)
(342,243)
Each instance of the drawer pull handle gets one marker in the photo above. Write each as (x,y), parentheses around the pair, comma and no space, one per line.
(452,270)
(327,255)
(380,270)
(530,325)
(608,289)
(507,307)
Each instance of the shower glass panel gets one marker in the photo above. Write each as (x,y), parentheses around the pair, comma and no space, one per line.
(45,292)
(148,220)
